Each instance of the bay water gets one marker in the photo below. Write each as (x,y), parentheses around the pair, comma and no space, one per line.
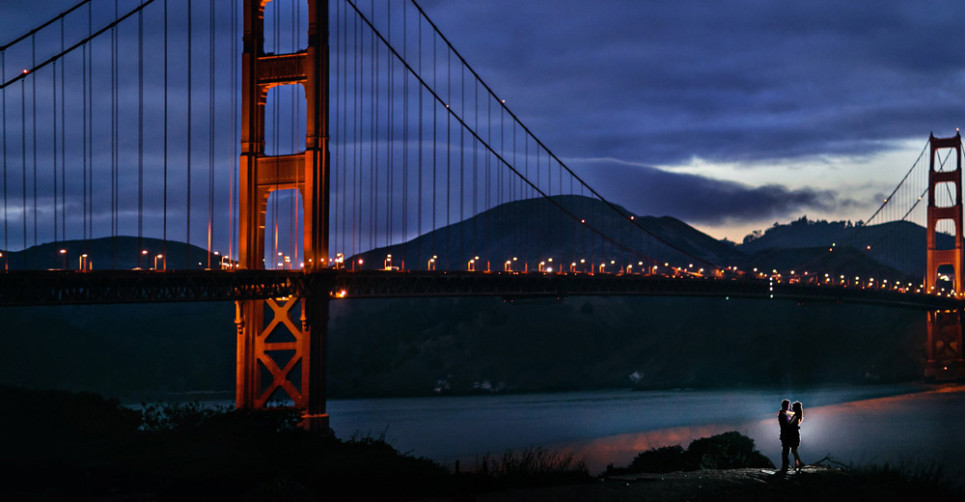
(912,426)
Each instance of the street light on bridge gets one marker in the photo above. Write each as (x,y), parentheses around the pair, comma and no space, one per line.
(64,257)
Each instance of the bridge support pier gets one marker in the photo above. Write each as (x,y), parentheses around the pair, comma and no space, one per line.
(281,341)
(944,346)
(281,352)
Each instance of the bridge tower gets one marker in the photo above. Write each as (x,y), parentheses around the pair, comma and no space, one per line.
(281,342)
(944,344)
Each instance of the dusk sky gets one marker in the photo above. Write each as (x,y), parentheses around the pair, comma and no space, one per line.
(729,116)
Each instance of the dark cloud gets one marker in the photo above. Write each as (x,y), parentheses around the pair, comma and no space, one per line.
(701,200)
(659,82)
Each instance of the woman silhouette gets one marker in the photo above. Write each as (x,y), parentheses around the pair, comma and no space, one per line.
(794,436)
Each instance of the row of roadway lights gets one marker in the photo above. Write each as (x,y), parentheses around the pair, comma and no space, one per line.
(843,280)
(546,266)
(84,262)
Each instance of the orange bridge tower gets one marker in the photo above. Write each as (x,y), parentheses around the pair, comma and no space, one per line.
(281,342)
(944,344)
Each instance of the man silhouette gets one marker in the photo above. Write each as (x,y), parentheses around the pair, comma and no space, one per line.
(785,422)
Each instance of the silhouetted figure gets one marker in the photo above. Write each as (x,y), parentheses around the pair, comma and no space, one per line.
(784,420)
(794,434)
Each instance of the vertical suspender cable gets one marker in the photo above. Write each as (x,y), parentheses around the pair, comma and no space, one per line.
(405,130)
(435,185)
(63,150)
(114,117)
(357,137)
(475,162)
(53,82)
(164,168)
(234,138)
(341,131)
(187,239)
(448,155)
(140,138)
(90,129)
(419,164)
(23,164)
(33,122)
(293,229)
(6,233)
(276,40)
(373,151)
(211,124)
(390,91)
(462,149)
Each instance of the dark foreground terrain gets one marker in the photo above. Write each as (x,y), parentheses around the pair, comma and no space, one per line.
(67,446)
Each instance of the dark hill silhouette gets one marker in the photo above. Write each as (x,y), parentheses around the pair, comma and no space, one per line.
(533,230)
(898,245)
(107,253)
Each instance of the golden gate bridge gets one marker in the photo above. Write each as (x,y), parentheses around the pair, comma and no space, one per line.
(174,168)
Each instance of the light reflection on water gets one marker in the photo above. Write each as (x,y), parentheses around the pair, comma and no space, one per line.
(853,424)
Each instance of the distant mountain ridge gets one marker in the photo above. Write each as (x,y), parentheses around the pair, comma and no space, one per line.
(898,246)
(108,253)
(535,230)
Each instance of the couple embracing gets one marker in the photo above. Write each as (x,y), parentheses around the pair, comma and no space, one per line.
(790,422)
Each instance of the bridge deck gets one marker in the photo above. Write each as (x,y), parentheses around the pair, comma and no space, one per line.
(57,287)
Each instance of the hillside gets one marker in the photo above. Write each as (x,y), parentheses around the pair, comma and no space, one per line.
(121,252)
(533,230)
(898,245)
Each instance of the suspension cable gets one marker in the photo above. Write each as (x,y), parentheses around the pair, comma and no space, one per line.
(900,183)
(58,17)
(81,43)
(494,153)
(552,155)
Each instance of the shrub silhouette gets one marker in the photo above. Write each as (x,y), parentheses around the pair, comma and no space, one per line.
(730,450)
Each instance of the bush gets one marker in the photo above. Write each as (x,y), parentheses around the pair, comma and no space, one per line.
(194,416)
(665,459)
(730,450)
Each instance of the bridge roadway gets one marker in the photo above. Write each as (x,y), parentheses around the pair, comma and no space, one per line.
(59,287)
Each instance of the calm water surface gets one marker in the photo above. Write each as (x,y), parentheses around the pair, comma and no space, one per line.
(914,425)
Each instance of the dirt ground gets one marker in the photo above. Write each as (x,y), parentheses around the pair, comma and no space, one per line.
(820,484)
